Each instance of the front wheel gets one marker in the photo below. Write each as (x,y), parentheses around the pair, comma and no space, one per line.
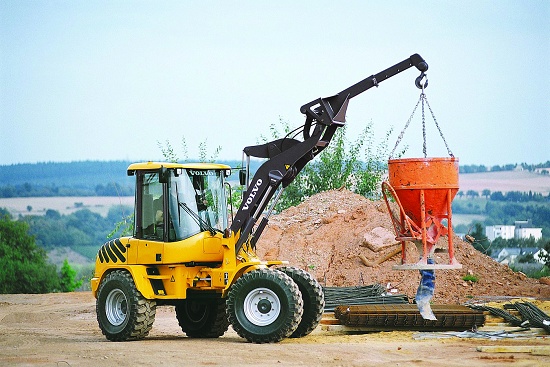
(122,312)
(264,306)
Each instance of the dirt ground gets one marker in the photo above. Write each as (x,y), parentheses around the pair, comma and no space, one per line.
(61,330)
(325,235)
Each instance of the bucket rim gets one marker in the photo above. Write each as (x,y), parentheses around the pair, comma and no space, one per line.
(428,159)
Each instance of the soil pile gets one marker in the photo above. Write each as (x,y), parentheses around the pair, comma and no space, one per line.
(328,234)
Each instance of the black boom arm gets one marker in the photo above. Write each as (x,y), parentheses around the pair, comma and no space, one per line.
(287,156)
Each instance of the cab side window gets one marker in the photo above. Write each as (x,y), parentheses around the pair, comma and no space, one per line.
(152,207)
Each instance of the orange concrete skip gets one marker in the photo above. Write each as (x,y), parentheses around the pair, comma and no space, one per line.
(434,175)
(424,189)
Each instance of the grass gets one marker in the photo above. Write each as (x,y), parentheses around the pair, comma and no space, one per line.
(470,278)
(535,273)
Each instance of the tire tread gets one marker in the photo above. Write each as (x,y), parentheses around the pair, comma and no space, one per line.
(141,313)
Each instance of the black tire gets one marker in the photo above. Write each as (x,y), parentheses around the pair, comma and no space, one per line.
(313,297)
(122,312)
(264,306)
(205,318)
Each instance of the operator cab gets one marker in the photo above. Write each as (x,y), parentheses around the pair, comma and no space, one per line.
(176,201)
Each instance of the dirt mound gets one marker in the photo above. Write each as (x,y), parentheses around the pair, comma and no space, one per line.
(329,232)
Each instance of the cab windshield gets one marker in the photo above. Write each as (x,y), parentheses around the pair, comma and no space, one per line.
(197,194)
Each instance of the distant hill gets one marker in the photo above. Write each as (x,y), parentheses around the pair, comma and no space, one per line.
(74,178)
(85,174)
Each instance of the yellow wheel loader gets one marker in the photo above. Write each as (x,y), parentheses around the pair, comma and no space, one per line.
(185,253)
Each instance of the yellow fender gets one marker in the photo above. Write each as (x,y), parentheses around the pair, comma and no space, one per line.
(244,268)
(139,274)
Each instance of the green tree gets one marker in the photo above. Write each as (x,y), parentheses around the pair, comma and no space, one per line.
(480,243)
(67,281)
(168,151)
(527,258)
(472,193)
(170,155)
(545,256)
(24,264)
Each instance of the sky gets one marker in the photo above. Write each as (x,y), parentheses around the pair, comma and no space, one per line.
(111,80)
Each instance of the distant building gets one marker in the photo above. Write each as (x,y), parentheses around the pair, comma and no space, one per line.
(509,255)
(522,229)
(502,231)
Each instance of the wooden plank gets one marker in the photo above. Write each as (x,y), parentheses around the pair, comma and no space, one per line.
(327,321)
(343,329)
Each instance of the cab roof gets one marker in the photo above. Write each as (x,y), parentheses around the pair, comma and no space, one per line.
(146,166)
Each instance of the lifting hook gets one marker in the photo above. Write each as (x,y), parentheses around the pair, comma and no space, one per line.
(418,81)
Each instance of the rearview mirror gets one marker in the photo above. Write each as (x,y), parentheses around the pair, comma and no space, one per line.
(242,177)
(163,175)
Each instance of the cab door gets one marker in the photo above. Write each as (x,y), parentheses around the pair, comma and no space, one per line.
(149,218)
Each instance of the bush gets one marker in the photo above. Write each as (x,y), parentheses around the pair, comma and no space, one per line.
(24,264)
(67,281)
(470,278)
(358,166)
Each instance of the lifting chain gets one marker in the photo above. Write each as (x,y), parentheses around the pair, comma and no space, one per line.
(423,99)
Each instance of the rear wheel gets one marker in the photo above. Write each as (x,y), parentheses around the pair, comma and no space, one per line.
(122,312)
(264,306)
(313,297)
(206,318)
